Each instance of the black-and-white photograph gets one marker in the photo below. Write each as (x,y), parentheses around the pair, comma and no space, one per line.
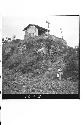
(41,57)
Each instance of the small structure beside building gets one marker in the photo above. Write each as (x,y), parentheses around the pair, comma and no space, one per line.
(34,30)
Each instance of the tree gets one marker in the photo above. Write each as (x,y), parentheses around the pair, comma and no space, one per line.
(72,64)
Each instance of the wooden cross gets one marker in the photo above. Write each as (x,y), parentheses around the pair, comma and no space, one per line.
(48,23)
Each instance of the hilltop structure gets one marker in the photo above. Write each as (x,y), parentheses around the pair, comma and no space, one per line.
(34,30)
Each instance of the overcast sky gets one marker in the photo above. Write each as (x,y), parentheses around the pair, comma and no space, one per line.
(69,25)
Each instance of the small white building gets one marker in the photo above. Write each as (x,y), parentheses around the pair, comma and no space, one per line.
(34,30)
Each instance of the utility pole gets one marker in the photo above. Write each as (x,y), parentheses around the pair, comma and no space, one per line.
(48,25)
(61,32)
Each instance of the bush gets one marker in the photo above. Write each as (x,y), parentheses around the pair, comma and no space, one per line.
(72,64)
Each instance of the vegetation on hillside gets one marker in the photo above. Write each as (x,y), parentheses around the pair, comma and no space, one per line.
(31,66)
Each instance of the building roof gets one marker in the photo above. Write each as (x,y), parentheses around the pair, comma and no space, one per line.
(38,27)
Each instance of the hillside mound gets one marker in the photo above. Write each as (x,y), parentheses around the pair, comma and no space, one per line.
(32,66)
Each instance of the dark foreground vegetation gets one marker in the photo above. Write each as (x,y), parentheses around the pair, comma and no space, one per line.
(34,66)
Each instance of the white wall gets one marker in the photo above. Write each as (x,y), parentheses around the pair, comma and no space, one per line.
(32,30)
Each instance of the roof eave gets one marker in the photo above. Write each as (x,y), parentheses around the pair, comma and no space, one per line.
(36,27)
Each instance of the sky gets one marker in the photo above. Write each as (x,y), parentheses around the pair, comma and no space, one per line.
(14,25)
